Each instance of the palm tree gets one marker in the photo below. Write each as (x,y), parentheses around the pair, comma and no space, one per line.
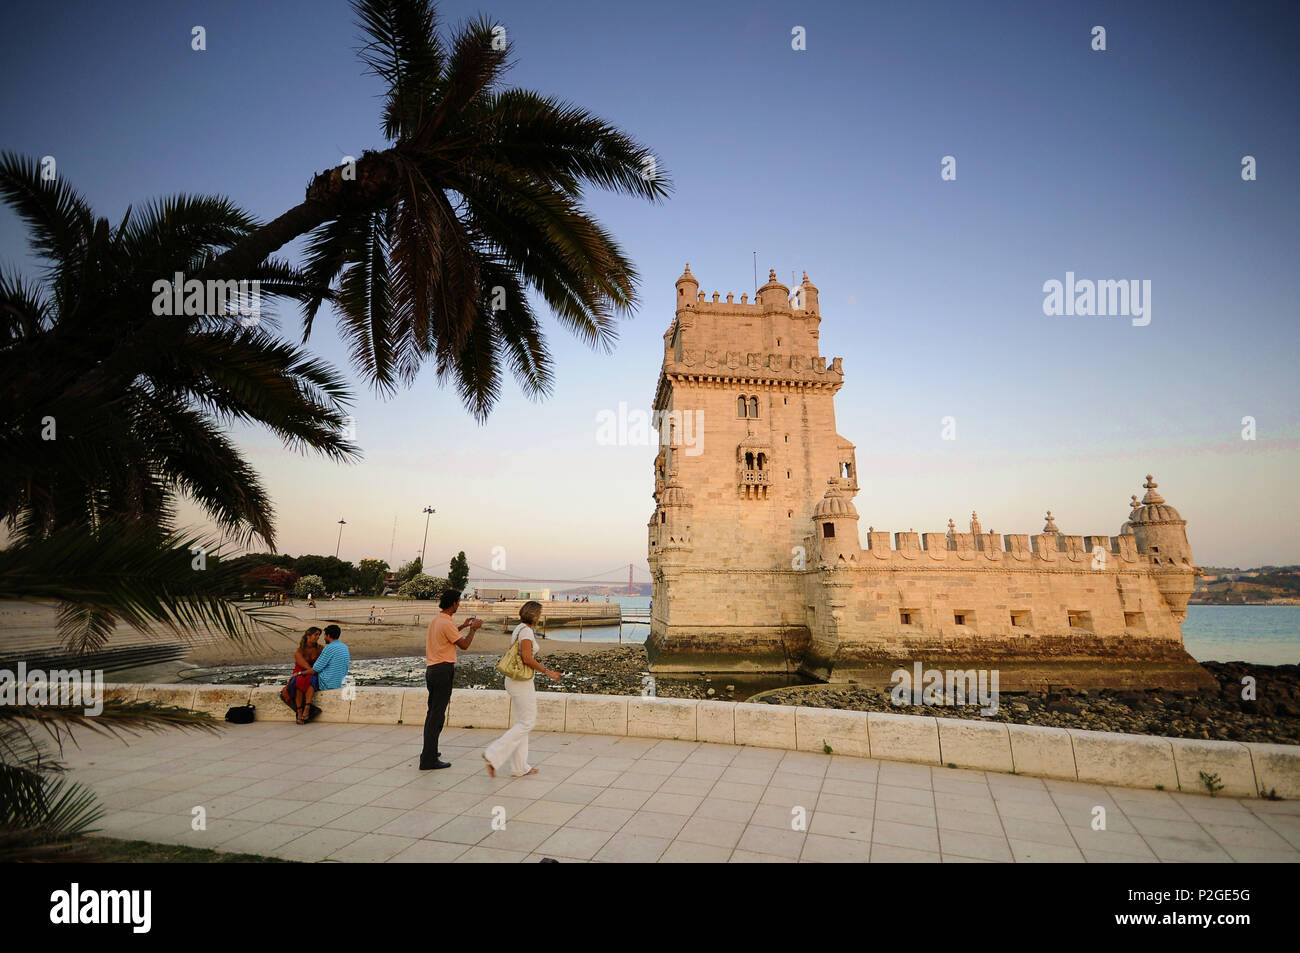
(111,409)
(109,412)
(435,242)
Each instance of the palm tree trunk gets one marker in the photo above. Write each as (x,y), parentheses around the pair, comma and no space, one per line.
(371,184)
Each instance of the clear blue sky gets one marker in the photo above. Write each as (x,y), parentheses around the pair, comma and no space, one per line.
(1115,164)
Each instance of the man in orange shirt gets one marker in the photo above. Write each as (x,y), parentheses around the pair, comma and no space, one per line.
(440,660)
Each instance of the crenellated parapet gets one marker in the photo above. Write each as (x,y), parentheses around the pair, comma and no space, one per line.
(1152,539)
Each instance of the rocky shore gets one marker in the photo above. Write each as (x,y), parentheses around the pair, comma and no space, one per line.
(1219,713)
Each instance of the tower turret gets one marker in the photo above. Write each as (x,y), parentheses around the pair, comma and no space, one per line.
(807,296)
(835,525)
(1161,535)
(773,296)
(688,288)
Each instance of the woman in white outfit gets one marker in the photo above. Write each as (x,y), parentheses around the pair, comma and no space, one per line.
(509,753)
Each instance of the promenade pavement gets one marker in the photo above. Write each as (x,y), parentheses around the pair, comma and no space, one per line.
(352,792)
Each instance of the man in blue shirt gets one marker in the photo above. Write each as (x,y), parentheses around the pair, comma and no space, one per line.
(332,665)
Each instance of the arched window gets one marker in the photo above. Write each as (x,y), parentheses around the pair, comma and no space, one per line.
(762,461)
(753,406)
(749,461)
(740,407)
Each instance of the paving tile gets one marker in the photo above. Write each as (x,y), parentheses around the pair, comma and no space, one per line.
(463,830)
(365,819)
(716,833)
(428,852)
(264,839)
(1256,855)
(319,844)
(890,854)
(840,825)
(894,834)
(843,767)
(626,798)
(404,798)
(723,809)
(849,787)
(632,849)
(490,855)
(702,772)
(1031,810)
(520,836)
(1111,842)
(904,775)
(750,793)
(1037,853)
(373,848)
(665,803)
(578,843)
(415,824)
(979,846)
(789,798)
(961,802)
(1260,838)
(747,775)
(601,818)
(569,793)
(315,815)
(1041,832)
(970,822)
(772,840)
(752,857)
(897,795)
(652,824)
(690,852)
(824,849)
(638,781)
(903,813)
(700,787)
(556,813)
(776,816)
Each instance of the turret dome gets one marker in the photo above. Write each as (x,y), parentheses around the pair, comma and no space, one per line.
(835,505)
(672,494)
(1153,508)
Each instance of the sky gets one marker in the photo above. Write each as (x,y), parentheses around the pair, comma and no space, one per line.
(1117,164)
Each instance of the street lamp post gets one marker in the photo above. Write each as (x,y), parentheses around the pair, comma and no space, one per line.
(342,523)
(427,511)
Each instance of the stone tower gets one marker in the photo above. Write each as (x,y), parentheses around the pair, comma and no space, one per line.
(726,538)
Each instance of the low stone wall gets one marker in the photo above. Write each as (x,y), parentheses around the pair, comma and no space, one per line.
(1141,761)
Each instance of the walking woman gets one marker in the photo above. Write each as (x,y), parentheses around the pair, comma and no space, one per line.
(509,753)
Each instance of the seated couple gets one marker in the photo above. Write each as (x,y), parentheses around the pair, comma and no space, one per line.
(316,668)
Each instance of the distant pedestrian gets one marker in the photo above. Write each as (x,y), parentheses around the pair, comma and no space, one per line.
(441,642)
(510,751)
